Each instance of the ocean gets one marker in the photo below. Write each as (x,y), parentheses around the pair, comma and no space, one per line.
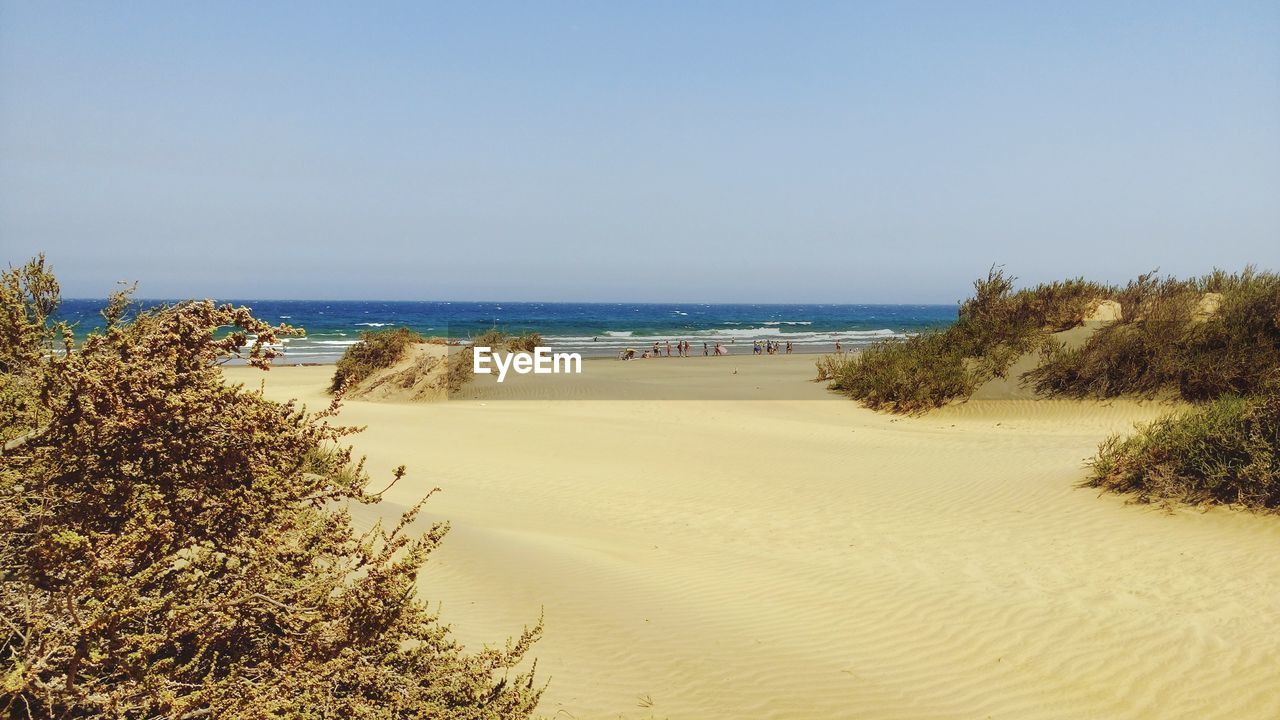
(594,329)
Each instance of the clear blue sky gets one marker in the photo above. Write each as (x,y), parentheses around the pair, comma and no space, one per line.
(824,152)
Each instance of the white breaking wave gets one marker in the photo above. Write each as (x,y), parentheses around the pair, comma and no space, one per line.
(736,336)
(738,332)
(610,342)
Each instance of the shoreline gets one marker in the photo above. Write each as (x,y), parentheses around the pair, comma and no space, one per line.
(735,350)
(283,361)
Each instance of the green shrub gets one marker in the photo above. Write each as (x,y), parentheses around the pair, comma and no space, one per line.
(1225,452)
(1059,306)
(1118,359)
(993,328)
(903,375)
(1166,343)
(376,350)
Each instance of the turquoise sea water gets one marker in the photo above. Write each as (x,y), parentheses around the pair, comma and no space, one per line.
(595,329)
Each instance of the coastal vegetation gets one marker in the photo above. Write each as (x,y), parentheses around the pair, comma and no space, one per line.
(429,375)
(501,340)
(374,351)
(1226,451)
(460,368)
(992,329)
(1199,339)
(173,546)
(1212,340)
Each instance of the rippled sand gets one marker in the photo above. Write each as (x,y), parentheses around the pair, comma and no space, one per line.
(801,557)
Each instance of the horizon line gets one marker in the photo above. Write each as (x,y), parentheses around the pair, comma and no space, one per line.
(525,302)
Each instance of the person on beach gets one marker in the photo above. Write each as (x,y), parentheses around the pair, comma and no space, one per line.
(837,346)
(668,348)
(788,347)
(655,348)
(755,348)
(705,352)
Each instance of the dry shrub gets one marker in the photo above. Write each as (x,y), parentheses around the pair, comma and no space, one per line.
(175,547)
(376,350)
(829,366)
(501,340)
(458,368)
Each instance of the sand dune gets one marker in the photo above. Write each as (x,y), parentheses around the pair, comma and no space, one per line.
(800,557)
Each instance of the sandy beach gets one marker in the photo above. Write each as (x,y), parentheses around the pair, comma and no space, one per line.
(793,555)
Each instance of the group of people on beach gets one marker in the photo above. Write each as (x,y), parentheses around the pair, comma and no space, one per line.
(683,348)
(770,347)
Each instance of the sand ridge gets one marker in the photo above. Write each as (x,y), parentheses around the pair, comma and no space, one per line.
(807,558)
